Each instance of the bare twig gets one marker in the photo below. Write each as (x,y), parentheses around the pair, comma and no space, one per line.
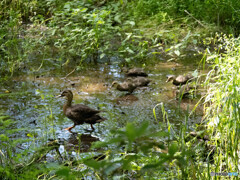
(194,18)
(70,73)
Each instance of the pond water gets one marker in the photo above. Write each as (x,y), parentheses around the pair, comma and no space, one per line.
(30,100)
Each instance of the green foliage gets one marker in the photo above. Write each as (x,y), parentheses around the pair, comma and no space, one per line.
(51,33)
(135,152)
(223,13)
(80,33)
(222,99)
(36,34)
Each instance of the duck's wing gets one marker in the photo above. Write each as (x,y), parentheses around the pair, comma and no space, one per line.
(94,119)
(83,111)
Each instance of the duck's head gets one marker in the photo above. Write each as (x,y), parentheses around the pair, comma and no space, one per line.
(114,84)
(66,93)
(170,78)
(129,80)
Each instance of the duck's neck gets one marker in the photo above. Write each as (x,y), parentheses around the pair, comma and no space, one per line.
(67,104)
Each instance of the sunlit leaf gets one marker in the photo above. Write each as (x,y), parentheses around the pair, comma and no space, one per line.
(30,135)
(195,41)
(100,22)
(131,23)
(128,60)
(102,55)
(117,19)
(177,52)
(130,51)
(195,73)
(84,9)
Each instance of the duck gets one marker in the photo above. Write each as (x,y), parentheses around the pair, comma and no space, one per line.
(139,81)
(79,113)
(136,72)
(124,86)
(184,90)
(179,80)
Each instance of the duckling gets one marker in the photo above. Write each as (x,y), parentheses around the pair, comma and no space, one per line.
(184,91)
(139,81)
(180,80)
(136,72)
(124,86)
(79,113)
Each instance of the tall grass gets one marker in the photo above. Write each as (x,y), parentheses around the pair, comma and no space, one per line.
(223,97)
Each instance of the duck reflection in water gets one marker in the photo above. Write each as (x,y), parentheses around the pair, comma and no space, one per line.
(81,142)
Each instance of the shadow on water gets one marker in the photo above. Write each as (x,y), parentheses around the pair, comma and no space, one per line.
(32,103)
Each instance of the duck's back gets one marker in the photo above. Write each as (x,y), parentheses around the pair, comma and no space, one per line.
(141,81)
(136,72)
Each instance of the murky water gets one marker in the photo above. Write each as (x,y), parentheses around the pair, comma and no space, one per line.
(31,101)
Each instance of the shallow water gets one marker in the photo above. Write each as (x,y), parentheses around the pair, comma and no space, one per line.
(31,102)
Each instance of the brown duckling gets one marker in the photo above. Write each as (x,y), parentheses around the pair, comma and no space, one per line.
(140,81)
(180,80)
(124,86)
(136,72)
(184,91)
(79,113)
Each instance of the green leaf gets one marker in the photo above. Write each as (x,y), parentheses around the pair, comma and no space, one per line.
(195,73)
(142,129)
(177,52)
(173,149)
(63,172)
(117,19)
(131,23)
(3,137)
(129,50)
(128,60)
(195,41)
(84,9)
(94,164)
(102,55)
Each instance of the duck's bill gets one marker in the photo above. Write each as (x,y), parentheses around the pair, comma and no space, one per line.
(58,96)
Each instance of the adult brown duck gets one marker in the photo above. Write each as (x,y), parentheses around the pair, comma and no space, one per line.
(124,86)
(136,72)
(179,80)
(79,113)
(139,81)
